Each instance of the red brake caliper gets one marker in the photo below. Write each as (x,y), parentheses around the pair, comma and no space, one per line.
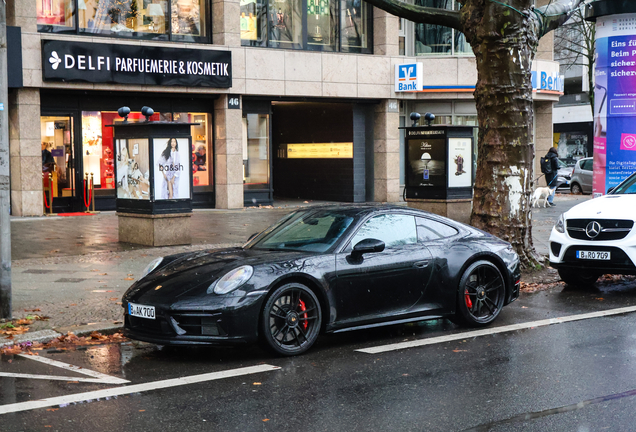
(469,302)
(302,309)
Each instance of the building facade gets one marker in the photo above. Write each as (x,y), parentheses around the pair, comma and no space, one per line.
(293,99)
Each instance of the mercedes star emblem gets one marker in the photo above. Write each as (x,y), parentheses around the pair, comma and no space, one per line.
(593,229)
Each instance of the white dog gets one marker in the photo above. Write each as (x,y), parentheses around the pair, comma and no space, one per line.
(542,193)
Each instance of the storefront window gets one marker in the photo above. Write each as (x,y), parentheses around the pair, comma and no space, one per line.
(57,156)
(353,25)
(321,17)
(202,166)
(322,25)
(433,39)
(188,18)
(256,151)
(98,148)
(252,21)
(56,15)
(437,40)
(183,20)
(285,24)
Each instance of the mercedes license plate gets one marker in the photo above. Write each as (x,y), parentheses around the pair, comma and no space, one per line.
(141,311)
(593,255)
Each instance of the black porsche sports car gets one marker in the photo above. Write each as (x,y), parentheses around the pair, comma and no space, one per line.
(325,269)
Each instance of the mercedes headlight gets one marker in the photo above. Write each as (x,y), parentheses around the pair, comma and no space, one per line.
(150,267)
(231,280)
(560,225)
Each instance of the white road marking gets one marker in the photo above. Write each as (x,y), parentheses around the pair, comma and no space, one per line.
(103,378)
(136,388)
(52,377)
(495,330)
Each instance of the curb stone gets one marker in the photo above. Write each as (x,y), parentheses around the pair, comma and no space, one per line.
(44,336)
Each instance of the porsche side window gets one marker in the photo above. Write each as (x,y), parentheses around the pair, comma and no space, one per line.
(393,229)
(428,229)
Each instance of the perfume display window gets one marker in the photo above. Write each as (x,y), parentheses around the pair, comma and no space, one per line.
(176,20)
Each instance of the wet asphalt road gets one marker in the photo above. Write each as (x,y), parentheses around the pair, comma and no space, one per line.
(576,376)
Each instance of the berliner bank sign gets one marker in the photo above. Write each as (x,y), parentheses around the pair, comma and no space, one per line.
(134,64)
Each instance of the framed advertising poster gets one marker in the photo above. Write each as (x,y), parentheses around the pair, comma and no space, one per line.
(460,173)
(426,162)
(172,158)
(133,170)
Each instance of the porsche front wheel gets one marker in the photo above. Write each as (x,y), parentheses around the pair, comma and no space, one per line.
(291,320)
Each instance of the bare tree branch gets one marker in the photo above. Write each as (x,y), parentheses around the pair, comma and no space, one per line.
(555,14)
(419,14)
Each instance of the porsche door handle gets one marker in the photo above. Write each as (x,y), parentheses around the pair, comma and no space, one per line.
(421,264)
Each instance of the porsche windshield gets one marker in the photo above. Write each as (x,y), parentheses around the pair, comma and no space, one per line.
(627,187)
(305,231)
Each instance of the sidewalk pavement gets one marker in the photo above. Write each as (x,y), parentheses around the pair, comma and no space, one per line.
(74,271)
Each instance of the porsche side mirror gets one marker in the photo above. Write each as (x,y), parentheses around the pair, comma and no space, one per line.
(610,190)
(367,246)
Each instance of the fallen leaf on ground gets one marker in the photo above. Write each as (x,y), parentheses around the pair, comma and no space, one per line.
(32,310)
(458,350)
(113,298)
(129,278)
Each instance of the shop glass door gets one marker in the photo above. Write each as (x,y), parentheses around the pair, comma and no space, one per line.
(58,161)
(256,151)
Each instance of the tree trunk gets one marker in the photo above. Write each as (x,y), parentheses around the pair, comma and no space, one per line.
(504,42)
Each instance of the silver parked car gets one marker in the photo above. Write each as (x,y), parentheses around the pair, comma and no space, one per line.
(581,181)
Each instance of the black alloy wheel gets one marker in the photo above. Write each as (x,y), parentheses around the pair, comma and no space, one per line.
(291,320)
(579,278)
(575,188)
(481,294)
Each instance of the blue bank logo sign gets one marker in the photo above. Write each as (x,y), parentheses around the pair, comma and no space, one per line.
(409,77)
(542,80)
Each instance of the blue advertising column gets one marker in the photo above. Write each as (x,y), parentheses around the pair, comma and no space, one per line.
(614,99)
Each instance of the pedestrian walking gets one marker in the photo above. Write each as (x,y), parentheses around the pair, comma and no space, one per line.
(551,176)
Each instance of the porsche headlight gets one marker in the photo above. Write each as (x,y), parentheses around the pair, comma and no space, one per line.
(560,225)
(150,267)
(232,280)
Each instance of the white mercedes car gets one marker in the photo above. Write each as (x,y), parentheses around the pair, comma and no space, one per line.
(597,237)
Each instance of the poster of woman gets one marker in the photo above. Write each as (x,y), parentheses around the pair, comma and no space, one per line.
(172,168)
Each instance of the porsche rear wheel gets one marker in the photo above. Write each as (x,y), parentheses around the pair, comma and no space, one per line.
(481,294)
(291,320)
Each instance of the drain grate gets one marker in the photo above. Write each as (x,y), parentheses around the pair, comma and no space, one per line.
(71,280)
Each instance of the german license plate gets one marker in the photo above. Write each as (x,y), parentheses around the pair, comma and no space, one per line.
(141,311)
(593,255)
